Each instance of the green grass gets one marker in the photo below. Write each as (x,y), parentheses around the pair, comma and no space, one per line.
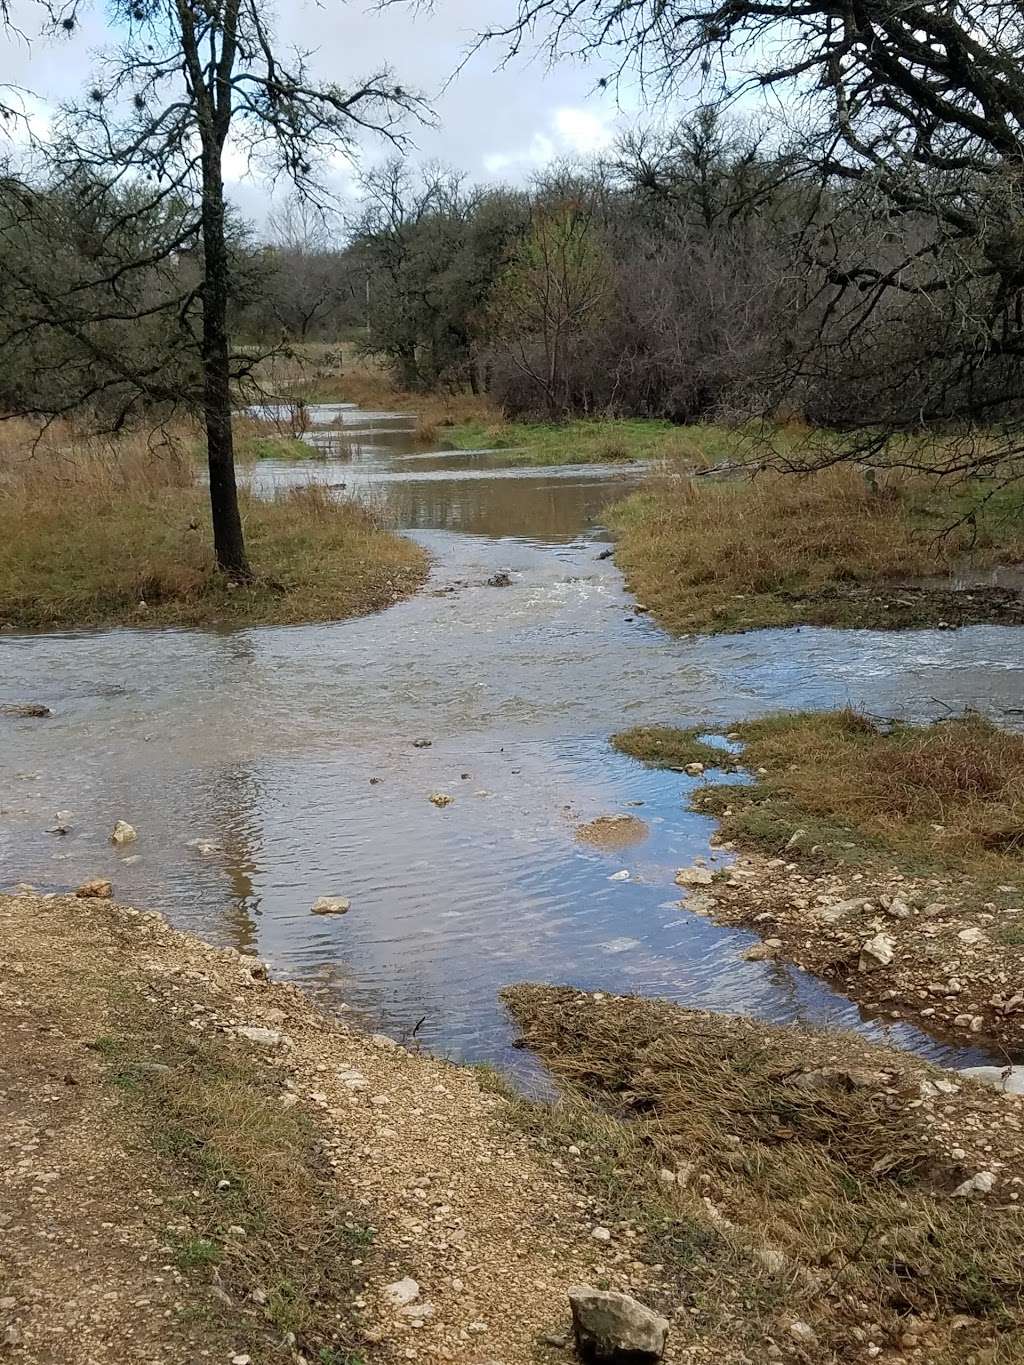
(275,447)
(596,441)
(664,746)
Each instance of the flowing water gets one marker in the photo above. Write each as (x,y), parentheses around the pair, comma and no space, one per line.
(266,767)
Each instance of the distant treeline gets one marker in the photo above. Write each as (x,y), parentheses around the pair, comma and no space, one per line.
(694,272)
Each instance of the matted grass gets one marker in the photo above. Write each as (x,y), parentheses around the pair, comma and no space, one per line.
(710,555)
(840,1190)
(100,535)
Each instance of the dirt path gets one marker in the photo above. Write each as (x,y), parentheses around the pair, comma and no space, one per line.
(114,1248)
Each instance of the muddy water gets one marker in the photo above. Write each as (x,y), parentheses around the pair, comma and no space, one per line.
(288,753)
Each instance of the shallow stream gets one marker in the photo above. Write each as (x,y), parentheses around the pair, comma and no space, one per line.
(287,754)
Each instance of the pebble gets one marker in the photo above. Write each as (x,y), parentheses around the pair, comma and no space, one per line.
(601,1234)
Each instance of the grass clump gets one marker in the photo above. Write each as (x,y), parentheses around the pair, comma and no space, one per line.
(836,1190)
(113,535)
(274,446)
(828,548)
(664,746)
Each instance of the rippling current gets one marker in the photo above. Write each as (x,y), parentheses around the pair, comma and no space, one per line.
(287,753)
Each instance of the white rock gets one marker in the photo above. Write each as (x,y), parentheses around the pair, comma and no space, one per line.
(795,838)
(693,876)
(694,769)
(264,1037)
(123,833)
(897,909)
(622,876)
(803,1332)
(609,1326)
(331,905)
(1009,1079)
(401,1293)
(352,1079)
(977,1184)
(876,952)
(601,1235)
(972,934)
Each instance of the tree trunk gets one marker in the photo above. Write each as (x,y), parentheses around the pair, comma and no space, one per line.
(228,540)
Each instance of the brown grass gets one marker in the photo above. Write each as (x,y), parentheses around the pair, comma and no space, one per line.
(840,1193)
(714,555)
(948,795)
(100,533)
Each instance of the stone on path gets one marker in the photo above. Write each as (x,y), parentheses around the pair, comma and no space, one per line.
(615,1328)
(401,1293)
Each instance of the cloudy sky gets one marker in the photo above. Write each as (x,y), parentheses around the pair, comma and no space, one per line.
(495,121)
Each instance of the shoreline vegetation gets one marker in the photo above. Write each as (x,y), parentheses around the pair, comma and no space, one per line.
(711,552)
(97,534)
(885,857)
(288,1185)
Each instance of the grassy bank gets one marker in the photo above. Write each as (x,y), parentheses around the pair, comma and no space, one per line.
(596,441)
(854,836)
(716,555)
(96,535)
(942,797)
(795,1182)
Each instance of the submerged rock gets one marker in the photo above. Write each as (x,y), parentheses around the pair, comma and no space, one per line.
(96,889)
(615,1327)
(501,579)
(331,905)
(25,709)
(422,743)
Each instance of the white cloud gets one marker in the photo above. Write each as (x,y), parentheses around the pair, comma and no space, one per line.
(572,131)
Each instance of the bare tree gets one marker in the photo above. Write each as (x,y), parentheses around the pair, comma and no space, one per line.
(911,119)
(184,84)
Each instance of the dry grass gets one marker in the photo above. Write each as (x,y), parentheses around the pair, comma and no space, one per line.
(716,555)
(95,534)
(948,795)
(840,1191)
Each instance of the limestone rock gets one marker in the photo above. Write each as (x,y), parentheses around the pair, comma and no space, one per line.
(693,876)
(123,833)
(96,889)
(401,1293)
(615,1328)
(1009,1079)
(331,905)
(440,799)
(876,952)
(981,1183)
(263,1037)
